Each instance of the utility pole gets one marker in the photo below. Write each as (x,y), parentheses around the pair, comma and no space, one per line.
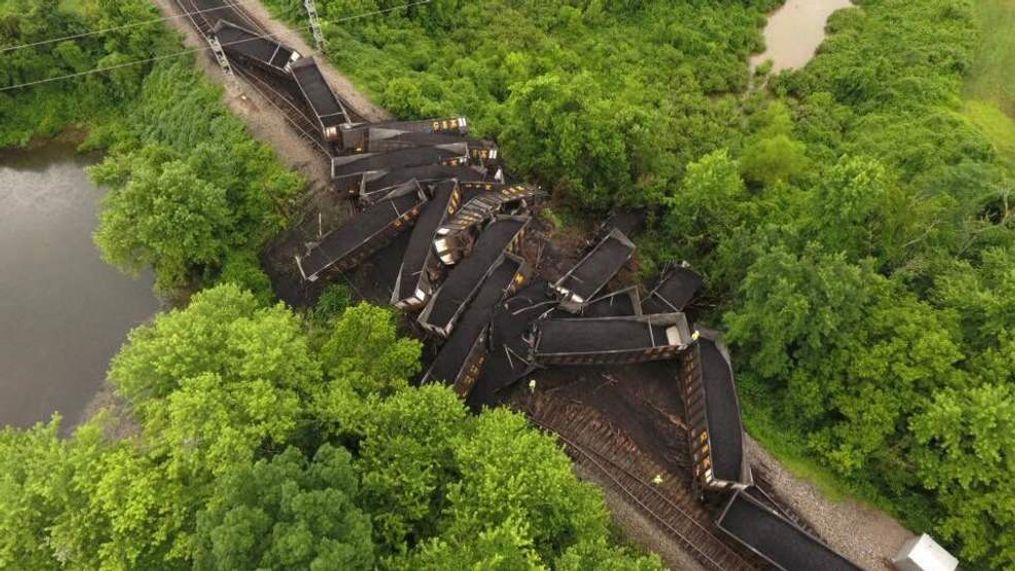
(315,25)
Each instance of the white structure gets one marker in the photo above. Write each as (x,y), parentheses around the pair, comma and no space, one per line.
(922,553)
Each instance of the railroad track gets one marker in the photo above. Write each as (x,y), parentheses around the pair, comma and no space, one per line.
(593,443)
(204,14)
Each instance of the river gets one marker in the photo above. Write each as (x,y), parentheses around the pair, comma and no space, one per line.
(63,311)
(795,31)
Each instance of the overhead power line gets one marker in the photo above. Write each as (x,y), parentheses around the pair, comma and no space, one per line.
(193,50)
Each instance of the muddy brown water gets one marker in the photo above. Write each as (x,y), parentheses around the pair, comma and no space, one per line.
(63,311)
(795,31)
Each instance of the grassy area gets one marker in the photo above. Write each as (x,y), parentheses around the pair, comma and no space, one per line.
(991,77)
(990,86)
(996,125)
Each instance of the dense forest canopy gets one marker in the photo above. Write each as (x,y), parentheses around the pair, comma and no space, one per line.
(853,218)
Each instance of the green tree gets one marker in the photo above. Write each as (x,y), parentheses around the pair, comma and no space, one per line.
(286,513)
(513,475)
(709,204)
(365,351)
(966,457)
(164,216)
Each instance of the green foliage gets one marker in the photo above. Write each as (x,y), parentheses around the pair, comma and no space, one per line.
(244,269)
(286,513)
(215,382)
(46,109)
(190,189)
(333,301)
(229,394)
(364,351)
(602,102)
(32,479)
(165,217)
(966,457)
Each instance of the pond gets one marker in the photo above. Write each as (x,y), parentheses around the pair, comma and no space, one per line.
(63,311)
(795,31)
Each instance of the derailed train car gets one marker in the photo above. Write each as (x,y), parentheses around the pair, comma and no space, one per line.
(591,274)
(383,140)
(499,238)
(453,236)
(421,269)
(460,359)
(256,49)
(348,172)
(714,430)
(331,114)
(676,288)
(377,184)
(363,234)
(609,340)
(776,539)
(357,137)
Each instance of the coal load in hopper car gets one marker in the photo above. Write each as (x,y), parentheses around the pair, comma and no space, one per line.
(326,106)
(714,429)
(356,137)
(349,172)
(363,234)
(377,184)
(676,288)
(460,359)
(609,340)
(776,539)
(258,50)
(421,270)
(620,303)
(592,273)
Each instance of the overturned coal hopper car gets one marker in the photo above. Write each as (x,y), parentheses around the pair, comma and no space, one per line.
(349,172)
(609,340)
(714,430)
(489,199)
(256,49)
(677,287)
(459,288)
(377,184)
(421,269)
(358,137)
(624,302)
(776,539)
(364,234)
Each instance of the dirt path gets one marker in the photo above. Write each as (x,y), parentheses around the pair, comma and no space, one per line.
(866,535)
